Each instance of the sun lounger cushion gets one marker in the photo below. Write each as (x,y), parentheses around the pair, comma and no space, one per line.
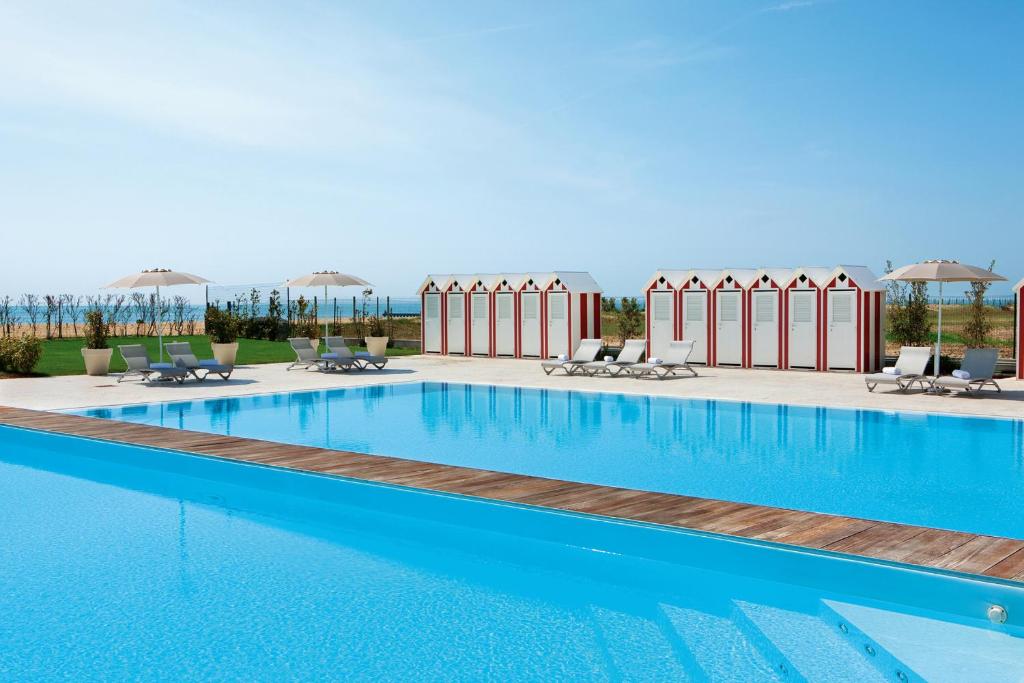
(892,371)
(961,374)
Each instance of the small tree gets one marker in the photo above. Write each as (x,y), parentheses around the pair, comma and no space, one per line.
(95,330)
(630,319)
(31,306)
(8,317)
(907,311)
(72,304)
(978,325)
(608,304)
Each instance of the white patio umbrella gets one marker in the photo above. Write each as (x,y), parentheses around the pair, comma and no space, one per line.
(940,270)
(157,277)
(325,279)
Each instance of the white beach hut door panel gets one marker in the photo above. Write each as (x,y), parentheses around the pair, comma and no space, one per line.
(842,329)
(456,323)
(558,323)
(432,323)
(695,324)
(504,325)
(764,341)
(803,330)
(730,329)
(661,322)
(530,334)
(481,325)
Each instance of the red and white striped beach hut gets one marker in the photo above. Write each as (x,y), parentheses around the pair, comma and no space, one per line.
(1018,291)
(853,321)
(530,315)
(479,312)
(572,311)
(729,315)
(504,314)
(801,346)
(765,304)
(687,296)
(431,327)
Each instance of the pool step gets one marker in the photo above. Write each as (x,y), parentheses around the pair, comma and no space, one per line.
(721,649)
(638,650)
(877,655)
(815,651)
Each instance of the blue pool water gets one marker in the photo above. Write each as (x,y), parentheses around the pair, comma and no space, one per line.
(125,563)
(960,473)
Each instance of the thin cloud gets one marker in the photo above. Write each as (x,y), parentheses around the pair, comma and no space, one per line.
(791,5)
(474,33)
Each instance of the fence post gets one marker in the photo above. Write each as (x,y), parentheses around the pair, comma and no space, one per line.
(378,306)
(288,304)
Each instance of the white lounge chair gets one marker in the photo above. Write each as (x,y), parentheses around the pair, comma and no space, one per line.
(631,353)
(306,356)
(676,358)
(910,367)
(586,353)
(137,359)
(339,352)
(980,364)
(182,357)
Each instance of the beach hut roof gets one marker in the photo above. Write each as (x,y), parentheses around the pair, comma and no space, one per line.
(861,275)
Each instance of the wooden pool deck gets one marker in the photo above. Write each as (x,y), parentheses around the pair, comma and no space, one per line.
(950,550)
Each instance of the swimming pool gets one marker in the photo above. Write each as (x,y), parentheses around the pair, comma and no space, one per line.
(120,562)
(958,473)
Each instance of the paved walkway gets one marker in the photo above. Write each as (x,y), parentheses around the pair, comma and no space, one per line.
(769,386)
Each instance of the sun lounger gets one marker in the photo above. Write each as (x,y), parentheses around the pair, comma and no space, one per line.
(631,353)
(980,364)
(586,353)
(307,357)
(182,357)
(910,367)
(339,352)
(139,365)
(676,359)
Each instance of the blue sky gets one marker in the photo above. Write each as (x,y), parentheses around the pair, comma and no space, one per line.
(250,142)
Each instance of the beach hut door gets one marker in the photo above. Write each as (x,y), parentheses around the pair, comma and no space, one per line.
(504,325)
(842,329)
(481,317)
(730,328)
(432,323)
(803,329)
(695,324)
(765,333)
(530,324)
(456,322)
(558,324)
(662,322)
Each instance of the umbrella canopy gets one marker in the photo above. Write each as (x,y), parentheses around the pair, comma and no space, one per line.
(325,279)
(157,277)
(941,270)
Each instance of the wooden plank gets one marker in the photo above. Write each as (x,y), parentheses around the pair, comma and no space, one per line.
(969,553)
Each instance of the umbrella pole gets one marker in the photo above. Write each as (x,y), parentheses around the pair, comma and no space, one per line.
(938,338)
(159,324)
(325,318)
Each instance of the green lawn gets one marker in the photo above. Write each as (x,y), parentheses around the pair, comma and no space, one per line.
(64,356)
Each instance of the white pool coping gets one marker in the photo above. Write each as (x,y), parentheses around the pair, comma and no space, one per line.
(761,386)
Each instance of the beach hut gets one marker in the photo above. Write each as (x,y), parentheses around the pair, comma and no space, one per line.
(766,304)
(695,312)
(730,312)
(1018,291)
(661,297)
(853,321)
(571,310)
(431,330)
(801,347)
(529,294)
(456,319)
(504,309)
(479,309)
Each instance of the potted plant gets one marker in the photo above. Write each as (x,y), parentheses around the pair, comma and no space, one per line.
(376,337)
(222,329)
(96,352)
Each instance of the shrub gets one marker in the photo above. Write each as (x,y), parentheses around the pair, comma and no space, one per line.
(95,330)
(305,327)
(221,326)
(978,325)
(630,319)
(907,312)
(20,355)
(375,327)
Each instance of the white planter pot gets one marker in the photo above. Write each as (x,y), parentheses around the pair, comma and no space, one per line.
(376,346)
(225,353)
(97,361)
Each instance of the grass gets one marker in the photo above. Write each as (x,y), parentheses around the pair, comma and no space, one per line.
(64,356)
